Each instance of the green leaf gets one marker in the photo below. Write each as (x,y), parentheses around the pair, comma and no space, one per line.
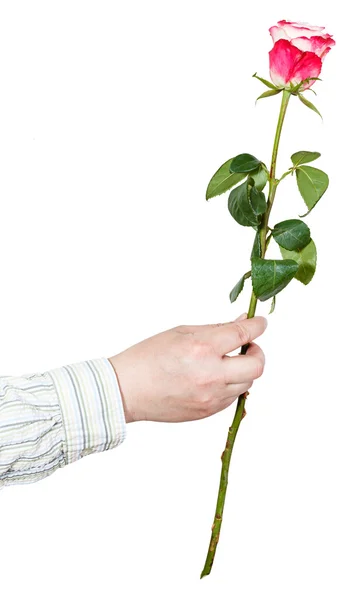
(259,176)
(239,287)
(268,94)
(223,180)
(273,304)
(302,157)
(268,83)
(244,163)
(240,207)
(257,200)
(269,277)
(312,184)
(292,234)
(309,104)
(256,249)
(306,259)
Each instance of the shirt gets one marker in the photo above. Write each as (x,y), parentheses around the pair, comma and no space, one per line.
(51,419)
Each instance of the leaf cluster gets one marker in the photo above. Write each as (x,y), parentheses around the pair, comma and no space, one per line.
(245,177)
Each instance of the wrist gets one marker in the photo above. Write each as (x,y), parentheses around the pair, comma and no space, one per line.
(120,371)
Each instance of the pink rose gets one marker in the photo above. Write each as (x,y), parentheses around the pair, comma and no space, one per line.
(298,52)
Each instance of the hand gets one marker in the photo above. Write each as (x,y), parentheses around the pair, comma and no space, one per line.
(184,373)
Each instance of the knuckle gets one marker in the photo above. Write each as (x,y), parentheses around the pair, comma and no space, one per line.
(208,381)
(201,382)
(181,329)
(243,333)
(205,406)
(200,349)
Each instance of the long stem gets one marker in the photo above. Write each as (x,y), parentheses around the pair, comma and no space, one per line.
(240,409)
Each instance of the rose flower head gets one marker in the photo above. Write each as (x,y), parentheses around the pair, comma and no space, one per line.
(298,53)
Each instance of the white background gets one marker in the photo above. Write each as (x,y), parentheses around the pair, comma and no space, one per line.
(113,118)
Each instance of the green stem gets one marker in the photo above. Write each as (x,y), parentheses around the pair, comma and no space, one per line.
(240,409)
(273,182)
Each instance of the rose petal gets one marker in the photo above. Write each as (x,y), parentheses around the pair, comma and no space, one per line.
(294,30)
(320,44)
(277,33)
(301,24)
(309,65)
(315,44)
(303,43)
(283,58)
(325,53)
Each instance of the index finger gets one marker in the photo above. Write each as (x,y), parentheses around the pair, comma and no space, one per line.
(231,336)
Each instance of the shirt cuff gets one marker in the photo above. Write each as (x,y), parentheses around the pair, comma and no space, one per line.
(91,406)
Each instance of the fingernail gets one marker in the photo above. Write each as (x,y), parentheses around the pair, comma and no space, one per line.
(241,317)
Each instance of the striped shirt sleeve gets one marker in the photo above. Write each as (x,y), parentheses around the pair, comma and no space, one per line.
(50,419)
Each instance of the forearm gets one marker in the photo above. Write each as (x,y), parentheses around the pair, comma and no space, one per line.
(50,419)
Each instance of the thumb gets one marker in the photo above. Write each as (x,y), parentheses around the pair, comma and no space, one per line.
(241,317)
